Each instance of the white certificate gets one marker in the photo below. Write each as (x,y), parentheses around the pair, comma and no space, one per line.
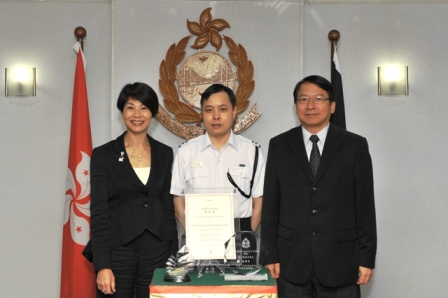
(209,225)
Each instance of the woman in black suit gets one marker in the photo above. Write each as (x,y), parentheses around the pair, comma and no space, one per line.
(132,213)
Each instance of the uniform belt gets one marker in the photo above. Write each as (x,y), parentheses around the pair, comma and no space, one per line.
(245,224)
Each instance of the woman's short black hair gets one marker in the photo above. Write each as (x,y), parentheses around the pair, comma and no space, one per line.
(322,82)
(215,88)
(141,92)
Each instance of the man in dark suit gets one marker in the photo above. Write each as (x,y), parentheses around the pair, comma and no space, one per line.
(318,215)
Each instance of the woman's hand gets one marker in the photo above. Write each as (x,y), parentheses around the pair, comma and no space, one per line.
(105,281)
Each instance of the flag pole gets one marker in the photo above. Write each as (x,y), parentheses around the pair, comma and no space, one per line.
(338,117)
(77,273)
(80,33)
(333,36)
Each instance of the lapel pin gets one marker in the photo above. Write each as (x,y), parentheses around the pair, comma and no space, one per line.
(121,158)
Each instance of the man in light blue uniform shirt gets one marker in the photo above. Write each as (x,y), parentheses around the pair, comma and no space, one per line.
(206,161)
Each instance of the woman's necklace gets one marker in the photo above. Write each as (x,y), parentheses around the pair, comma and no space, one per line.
(140,155)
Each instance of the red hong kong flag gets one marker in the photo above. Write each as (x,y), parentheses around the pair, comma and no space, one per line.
(77,276)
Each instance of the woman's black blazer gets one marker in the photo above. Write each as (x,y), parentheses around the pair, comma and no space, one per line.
(122,207)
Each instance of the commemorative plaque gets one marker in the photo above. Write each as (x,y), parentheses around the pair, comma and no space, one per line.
(250,253)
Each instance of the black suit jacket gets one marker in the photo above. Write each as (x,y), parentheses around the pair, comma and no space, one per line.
(328,221)
(122,207)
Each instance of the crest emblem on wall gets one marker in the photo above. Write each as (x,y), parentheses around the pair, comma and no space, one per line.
(188,78)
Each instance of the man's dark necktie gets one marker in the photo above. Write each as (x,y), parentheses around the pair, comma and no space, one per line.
(315,155)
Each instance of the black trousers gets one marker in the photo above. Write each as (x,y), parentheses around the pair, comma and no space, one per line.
(133,265)
(313,289)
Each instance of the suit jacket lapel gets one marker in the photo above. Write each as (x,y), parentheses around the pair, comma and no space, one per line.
(299,150)
(123,165)
(156,162)
(331,147)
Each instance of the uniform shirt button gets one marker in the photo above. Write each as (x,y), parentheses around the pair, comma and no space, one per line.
(314,211)
(145,205)
(144,193)
(314,188)
(313,234)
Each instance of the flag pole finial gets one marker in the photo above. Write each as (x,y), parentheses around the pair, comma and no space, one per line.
(80,33)
(333,36)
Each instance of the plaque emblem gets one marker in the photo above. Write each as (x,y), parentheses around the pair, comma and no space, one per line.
(245,243)
(200,70)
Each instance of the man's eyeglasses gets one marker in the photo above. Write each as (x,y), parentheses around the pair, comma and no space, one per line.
(316,100)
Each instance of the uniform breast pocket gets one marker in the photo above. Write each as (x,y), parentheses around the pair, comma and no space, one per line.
(197,177)
(242,177)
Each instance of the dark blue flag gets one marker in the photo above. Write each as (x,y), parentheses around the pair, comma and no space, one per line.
(338,117)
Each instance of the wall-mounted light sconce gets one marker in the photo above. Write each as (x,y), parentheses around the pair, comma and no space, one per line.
(393,80)
(20,81)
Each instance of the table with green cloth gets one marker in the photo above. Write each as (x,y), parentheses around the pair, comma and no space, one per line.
(212,285)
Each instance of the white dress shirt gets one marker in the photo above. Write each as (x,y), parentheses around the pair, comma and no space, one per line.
(322,135)
(198,165)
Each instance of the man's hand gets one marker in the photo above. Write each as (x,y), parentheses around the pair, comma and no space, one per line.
(274,269)
(365,274)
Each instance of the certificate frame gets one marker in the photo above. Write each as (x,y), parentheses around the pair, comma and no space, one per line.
(209,225)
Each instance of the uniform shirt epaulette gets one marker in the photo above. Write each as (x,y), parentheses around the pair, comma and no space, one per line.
(256,144)
(246,140)
(183,143)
